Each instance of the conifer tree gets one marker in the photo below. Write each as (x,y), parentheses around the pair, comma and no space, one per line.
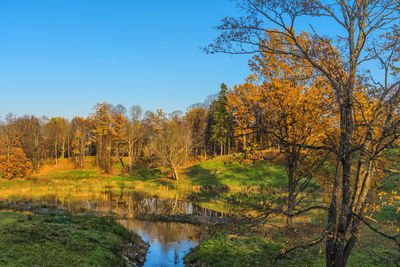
(220,127)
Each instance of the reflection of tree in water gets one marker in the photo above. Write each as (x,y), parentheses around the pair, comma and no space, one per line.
(164,232)
(140,204)
(176,256)
(130,205)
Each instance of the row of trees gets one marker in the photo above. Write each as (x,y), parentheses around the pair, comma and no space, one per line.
(112,133)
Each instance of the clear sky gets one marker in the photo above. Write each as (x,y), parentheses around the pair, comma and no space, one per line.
(59,57)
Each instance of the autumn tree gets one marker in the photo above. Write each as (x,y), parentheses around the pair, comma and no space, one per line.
(32,142)
(294,104)
(56,131)
(298,110)
(15,164)
(80,139)
(119,132)
(135,135)
(152,122)
(13,161)
(196,120)
(155,120)
(359,144)
(243,102)
(10,138)
(103,135)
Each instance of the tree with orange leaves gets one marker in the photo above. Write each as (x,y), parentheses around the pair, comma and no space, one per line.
(80,139)
(293,104)
(16,164)
(242,103)
(120,130)
(13,161)
(196,121)
(362,140)
(102,135)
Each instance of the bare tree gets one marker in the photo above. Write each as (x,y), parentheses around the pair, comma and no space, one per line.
(172,145)
(32,140)
(134,134)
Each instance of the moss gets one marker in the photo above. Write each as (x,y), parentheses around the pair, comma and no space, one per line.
(38,240)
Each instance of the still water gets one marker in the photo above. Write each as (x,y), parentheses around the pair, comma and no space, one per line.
(169,241)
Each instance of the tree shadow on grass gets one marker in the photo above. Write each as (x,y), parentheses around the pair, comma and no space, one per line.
(200,175)
(236,174)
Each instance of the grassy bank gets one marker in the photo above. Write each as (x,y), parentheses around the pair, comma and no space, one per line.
(38,240)
(229,250)
(207,181)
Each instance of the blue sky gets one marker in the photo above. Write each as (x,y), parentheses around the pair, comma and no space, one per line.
(58,58)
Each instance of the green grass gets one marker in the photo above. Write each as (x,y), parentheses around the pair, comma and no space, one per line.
(392,183)
(388,213)
(73,174)
(38,240)
(230,250)
(232,173)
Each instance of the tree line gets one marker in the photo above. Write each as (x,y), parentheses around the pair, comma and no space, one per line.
(114,133)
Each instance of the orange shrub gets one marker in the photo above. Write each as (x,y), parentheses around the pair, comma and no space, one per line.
(16,165)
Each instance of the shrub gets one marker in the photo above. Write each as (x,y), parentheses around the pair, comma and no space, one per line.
(14,165)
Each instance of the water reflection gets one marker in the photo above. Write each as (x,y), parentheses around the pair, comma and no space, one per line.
(169,242)
(139,204)
(130,205)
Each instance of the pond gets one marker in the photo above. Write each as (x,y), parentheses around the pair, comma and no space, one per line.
(169,241)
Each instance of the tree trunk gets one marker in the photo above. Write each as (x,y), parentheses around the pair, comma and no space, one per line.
(335,249)
(174,173)
(290,204)
(68,148)
(82,155)
(130,159)
(122,162)
(55,151)
(291,193)
(109,158)
(62,149)
(244,141)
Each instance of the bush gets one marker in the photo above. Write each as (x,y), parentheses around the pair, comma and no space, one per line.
(14,165)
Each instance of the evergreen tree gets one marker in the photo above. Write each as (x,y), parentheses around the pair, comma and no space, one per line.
(221,118)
